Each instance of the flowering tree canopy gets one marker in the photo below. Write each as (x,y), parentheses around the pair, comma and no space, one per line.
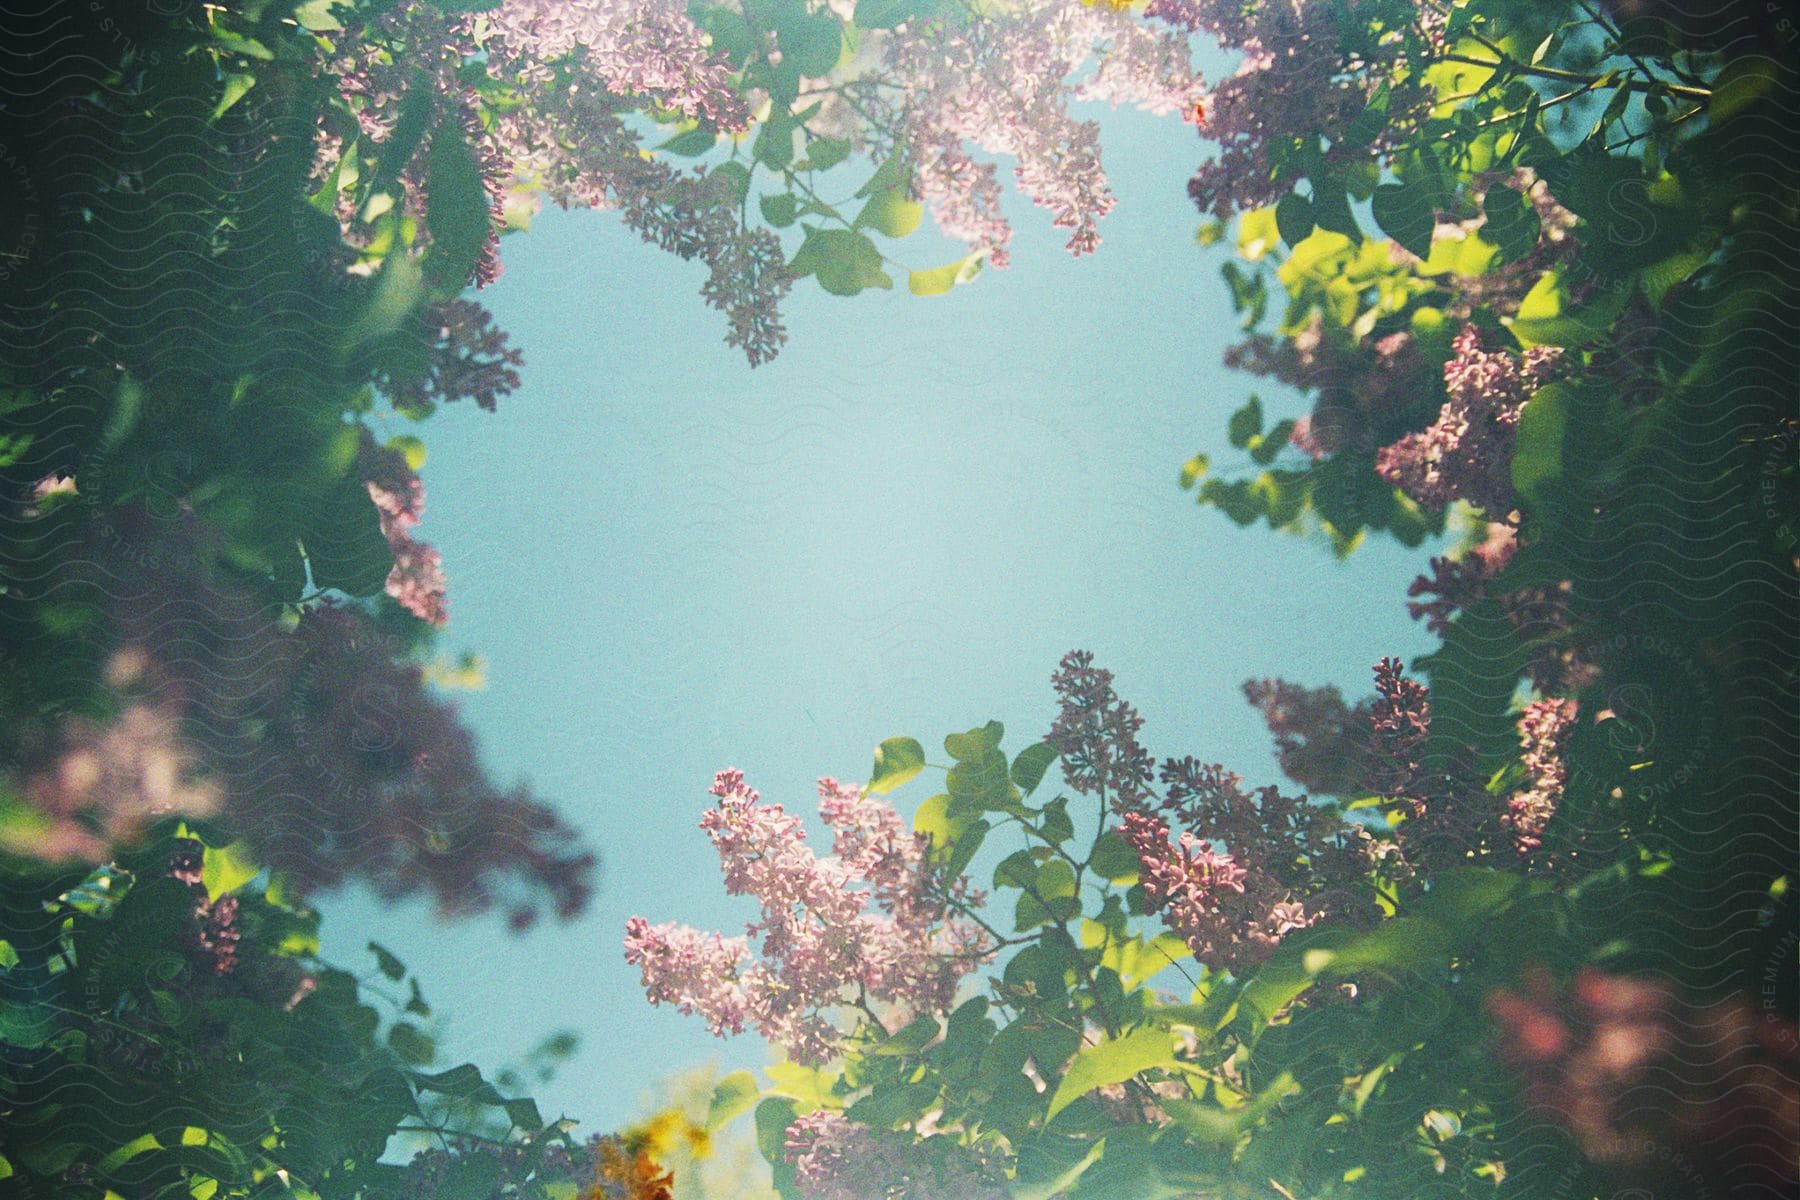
(1531,268)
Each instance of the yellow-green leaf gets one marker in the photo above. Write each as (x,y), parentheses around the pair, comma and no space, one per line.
(896,761)
(938,280)
(1113,1061)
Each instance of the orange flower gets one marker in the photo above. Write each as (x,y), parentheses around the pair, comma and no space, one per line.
(621,1173)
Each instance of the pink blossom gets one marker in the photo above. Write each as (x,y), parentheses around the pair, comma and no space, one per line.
(1096,734)
(417,578)
(1544,729)
(573,146)
(1000,85)
(1467,452)
(698,973)
(820,945)
(835,1158)
(640,47)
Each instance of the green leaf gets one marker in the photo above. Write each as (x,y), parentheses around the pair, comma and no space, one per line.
(237,43)
(963,852)
(891,213)
(1056,827)
(824,153)
(1114,859)
(345,548)
(890,176)
(886,14)
(1405,213)
(237,85)
(694,142)
(910,1040)
(225,869)
(1055,880)
(399,291)
(472,1177)
(27,1025)
(732,1096)
(1399,945)
(974,745)
(1029,767)
(387,961)
(773,1116)
(1113,1061)
(409,447)
(1050,1165)
(810,42)
(1331,209)
(1016,870)
(737,179)
(1245,423)
(1369,123)
(9,958)
(314,16)
(457,209)
(980,784)
(1294,218)
(936,281)
(411,1044)
(779,210)
(845,261)
(1538,452)
(1211,1124)
(1547,315)
(933,819)
(896,761)
(1512,224)
(1741,85)
(523,1113)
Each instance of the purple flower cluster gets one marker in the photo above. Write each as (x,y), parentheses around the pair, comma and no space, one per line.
(1293,75)
(835,1158)
(468,358)
(1000,86)
(417,579)
(216,931)
(647,48)
(821,946)
(1358,385)
(1095,732)
(1321,742)
(1539,616)
(1399,724)
(1246,867)
(1466,454)
(573,146)
(1544,729)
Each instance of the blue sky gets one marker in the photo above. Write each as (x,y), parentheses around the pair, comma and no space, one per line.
(672,564)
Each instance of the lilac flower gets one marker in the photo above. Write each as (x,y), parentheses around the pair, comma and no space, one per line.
(1096,734)
(698,973)
(1399,724)
(1467,452)
(469,359)
(1544,729)
(999,85)
(820,946)
(1321,743)
(835,1158)
(417,578)
(646,48)
(574,147)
